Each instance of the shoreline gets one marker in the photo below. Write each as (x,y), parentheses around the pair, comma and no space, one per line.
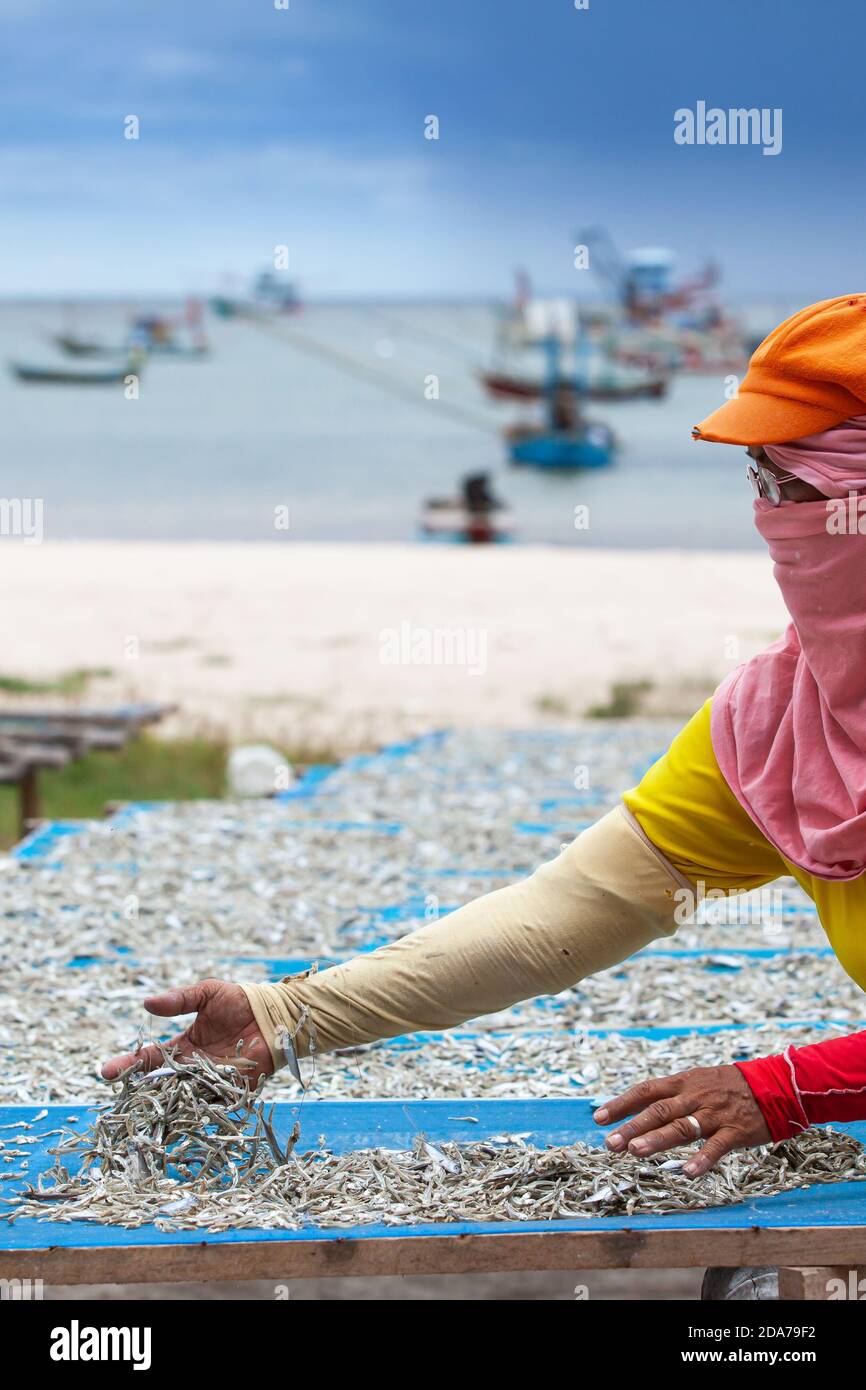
(353,644)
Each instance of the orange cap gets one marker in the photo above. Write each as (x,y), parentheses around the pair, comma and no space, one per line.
(808,374)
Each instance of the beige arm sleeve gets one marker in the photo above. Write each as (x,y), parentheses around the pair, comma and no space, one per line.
(603,898)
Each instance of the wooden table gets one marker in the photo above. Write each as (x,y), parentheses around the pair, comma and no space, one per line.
(31,740)
(809,1234)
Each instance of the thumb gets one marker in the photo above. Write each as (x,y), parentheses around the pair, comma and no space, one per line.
(189,1000)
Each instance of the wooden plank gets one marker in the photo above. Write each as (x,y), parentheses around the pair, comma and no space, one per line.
(78,737)
(464,1254)
(129,716)
(813,1283)
(43,754)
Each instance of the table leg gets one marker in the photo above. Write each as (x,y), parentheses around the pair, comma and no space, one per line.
(28,798)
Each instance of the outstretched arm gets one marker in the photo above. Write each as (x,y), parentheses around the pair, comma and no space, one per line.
(603,898)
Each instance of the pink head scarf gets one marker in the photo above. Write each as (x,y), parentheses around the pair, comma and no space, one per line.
(833,461)
(789,727)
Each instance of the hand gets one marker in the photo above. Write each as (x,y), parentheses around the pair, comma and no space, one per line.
(224,1018)
(720,1100)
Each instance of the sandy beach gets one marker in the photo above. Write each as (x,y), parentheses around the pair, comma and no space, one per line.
(345,646)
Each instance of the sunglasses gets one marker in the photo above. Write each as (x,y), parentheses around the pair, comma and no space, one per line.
(766,484)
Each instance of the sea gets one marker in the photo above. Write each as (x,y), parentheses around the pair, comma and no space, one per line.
(335,424)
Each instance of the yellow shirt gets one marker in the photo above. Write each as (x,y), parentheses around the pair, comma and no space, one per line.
(687,809)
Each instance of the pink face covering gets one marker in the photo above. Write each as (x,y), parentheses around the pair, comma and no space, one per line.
(833,461)
(789,727)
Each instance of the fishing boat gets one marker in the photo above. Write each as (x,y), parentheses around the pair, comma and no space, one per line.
(85,347)
(565,440)
(615,385)
(591,446)
(153,334)
(477,517)
(159,336)
(68,376)
(194,351)
(447,519)
(224,307)
(269,294)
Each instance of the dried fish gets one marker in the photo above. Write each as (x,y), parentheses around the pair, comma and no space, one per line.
(499,1179)
(126,908)
(537,1064)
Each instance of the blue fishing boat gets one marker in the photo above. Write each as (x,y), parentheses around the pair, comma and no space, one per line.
(591,447)
(566,440)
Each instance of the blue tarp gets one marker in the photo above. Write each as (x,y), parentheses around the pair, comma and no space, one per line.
(393,1124)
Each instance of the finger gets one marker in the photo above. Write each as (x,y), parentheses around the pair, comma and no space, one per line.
(674,1135)
(655,1116)
(721,1143)
(148,1058)
(637,1098)
(188,1000)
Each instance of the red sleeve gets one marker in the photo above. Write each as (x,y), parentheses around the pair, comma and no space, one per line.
(810,1085)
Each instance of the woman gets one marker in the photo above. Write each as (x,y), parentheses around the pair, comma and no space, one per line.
(769,778)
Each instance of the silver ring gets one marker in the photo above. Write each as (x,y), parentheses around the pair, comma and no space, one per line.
(693,1120)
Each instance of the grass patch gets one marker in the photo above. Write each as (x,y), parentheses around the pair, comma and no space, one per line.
(68,683)
(149,769)
(626,700)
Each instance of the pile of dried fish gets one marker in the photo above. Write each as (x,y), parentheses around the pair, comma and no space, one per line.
(177,1149)
(505,1066)
(188,1122)
(515,1181)
(657,991)
(331,895)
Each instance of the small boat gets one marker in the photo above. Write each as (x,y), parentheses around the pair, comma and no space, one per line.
(67,376)
(158,336)
(226,308)
(269,294)
(447,519)
(272,291)
(74,347)
(84,347)
(613,387)
(476,517)
(589,447)
(151,334)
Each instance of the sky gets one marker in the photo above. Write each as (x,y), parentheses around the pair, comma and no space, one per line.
(304,127)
